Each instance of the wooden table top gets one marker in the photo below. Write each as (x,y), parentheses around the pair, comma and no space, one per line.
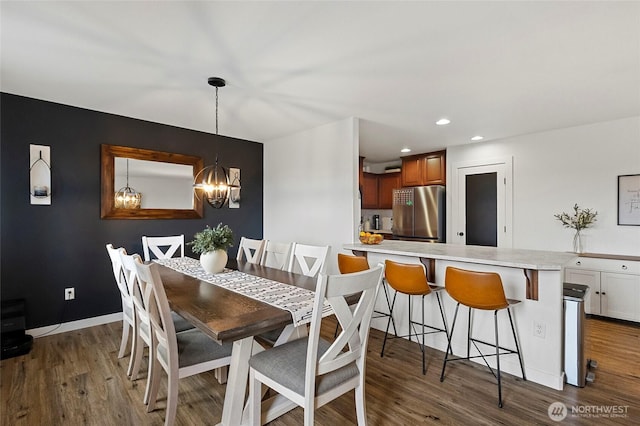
(223,314)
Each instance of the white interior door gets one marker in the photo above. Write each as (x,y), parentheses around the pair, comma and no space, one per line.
(501,171)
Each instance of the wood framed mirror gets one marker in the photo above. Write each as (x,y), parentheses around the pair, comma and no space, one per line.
(150,168)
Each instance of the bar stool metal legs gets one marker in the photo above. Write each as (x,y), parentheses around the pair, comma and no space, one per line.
(412,329)
(498,348)
(380,314)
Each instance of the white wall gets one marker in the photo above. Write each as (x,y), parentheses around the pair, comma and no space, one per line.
(311,187)
(555,169)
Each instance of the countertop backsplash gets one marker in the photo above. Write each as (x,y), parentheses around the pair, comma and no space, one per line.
(386,221)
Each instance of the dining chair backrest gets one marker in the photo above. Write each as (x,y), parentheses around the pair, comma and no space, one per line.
(142,329)
(307,259)
(162,247)
(128,310)
(159,316)
(118,272)
(276,255)
(250,250)
(139,292)
(351,343)
(180,355)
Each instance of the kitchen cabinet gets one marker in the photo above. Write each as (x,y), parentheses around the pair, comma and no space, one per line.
(377,190)
(369,191)
(386,184)
(614,286)
(424,169)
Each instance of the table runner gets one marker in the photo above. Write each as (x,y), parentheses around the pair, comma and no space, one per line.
(298,301)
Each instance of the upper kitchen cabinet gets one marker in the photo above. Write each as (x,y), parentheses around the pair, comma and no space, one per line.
(387,182)
(424,169)
(377,189)
(369,191)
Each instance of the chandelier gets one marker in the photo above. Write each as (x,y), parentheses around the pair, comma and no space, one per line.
(213,181)
(127,197)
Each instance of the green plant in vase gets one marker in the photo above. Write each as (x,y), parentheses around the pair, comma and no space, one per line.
(579,220)
(212,245)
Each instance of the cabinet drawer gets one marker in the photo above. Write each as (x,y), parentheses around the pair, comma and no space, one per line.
(582,276)
(608,265)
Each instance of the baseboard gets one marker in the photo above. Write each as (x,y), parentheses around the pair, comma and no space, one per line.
(74,325)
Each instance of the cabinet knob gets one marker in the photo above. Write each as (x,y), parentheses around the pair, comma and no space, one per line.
(578,263)
(624,267)
(597,292)
(604,294)
(461,234)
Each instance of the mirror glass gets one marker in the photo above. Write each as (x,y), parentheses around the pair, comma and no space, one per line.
(162,185)
(165,181)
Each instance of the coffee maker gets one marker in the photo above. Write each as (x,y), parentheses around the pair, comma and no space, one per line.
(376,222)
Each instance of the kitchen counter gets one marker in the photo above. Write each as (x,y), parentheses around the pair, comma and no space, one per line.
(530,261)
(514,258)
(534,277)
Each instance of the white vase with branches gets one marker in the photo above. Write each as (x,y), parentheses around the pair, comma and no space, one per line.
(579,220)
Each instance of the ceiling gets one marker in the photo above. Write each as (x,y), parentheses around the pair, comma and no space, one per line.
(496,69)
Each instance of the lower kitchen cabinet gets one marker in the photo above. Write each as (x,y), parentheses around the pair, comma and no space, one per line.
(620,296)
(614,286)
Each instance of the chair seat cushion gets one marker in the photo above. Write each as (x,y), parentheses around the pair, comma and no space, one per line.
(180,324)
(286,363)
(195,347)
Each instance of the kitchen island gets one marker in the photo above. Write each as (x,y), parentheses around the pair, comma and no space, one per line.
(532,276)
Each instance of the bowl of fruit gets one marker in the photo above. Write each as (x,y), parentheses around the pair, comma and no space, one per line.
(370,238)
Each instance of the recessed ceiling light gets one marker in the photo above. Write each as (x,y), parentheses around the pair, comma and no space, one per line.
(477,138)
(405,150)
(443,121)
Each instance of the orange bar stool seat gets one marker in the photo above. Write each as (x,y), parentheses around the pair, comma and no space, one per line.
(484,291)
(411,279)
(348,264)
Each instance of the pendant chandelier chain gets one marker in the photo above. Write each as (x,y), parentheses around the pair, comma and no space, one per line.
(216,112)
(127,172)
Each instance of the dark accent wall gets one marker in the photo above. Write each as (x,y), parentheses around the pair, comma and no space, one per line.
(44,249)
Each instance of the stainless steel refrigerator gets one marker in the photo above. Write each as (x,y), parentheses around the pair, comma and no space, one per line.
(419,213)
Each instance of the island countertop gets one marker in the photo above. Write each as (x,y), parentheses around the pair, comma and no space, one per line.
(513,258)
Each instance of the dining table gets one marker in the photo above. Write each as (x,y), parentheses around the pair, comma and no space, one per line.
(237,305)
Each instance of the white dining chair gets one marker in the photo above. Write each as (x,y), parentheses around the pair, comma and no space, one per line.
(307,259)
(162,247)
(276,255)
(142,328)
(312,371)
(179,354)
(128,312)
(250,250)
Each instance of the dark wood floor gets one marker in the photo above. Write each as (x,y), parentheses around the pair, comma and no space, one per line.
(75,378)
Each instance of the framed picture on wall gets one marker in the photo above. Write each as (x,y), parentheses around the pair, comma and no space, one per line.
(629,200)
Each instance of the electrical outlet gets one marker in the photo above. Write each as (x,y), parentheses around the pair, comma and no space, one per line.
(539,329)
(69,293)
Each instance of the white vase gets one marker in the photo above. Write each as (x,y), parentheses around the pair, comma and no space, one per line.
(214,261)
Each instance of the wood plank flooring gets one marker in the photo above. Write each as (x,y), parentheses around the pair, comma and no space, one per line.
(75,378)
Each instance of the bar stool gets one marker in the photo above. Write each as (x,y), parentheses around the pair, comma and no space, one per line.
(348,264)
(480,290)
(410,279)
